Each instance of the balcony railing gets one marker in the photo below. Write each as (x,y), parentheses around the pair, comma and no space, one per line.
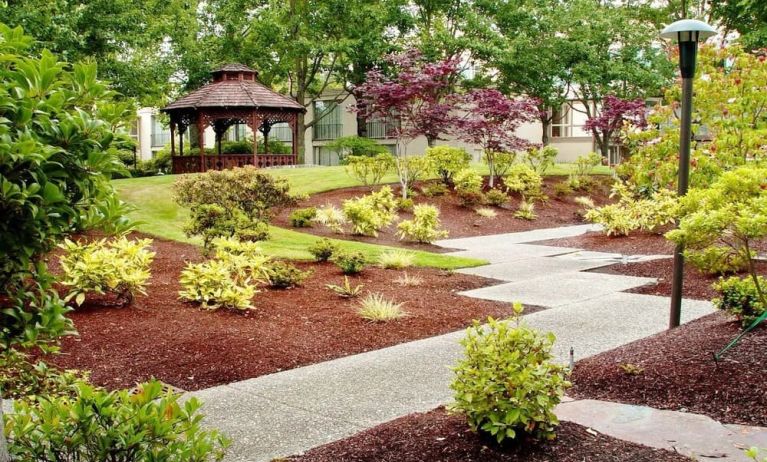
(160,139)
(380,129)
(327,131)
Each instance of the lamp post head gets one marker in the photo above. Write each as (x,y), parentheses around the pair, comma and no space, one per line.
(688,30)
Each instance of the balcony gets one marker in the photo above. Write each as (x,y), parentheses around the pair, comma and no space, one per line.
(327,131)
(380,129)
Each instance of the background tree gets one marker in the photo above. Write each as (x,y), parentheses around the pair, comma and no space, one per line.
(613,114)
(747,17)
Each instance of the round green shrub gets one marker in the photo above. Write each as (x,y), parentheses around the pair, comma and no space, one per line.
(323,250)
(350,262)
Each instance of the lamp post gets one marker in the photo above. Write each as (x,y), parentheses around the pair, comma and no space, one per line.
(687,33)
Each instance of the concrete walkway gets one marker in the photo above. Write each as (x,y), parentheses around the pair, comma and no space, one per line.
(292,411)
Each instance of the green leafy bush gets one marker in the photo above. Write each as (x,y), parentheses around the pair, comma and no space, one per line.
(96,425)
(424,225)
(356,146)
(249,230)
(467,180)
(302,218)
(323,249)
(116,266)
(22,379)
(585,164)
(471,197)
(396,259)
(498,163)
(507,383)
(346,290)
(369,170)
(525,180)
(350,262)
(283,275)
(563,189)
(740,297)
(411,169)
(375,308)
(630,214)
(405,205)
(447,160)
(541,159)
(331,217)
(496,197)
(212,285)
(435,189)
(370,213)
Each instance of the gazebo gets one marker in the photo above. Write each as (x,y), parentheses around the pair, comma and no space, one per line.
(233,97)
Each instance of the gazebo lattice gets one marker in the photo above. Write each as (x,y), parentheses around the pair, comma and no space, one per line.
(233,97)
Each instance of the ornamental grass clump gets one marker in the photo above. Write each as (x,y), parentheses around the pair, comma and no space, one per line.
(424,227)
(347,290)
(375,308)
(396,259)
(486,212)
(331,217)
(117,266)
(508,384)
(407,280)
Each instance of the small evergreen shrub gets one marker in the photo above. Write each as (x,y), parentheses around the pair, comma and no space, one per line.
(22,379)
(213,285)
(508,384)
(331,217)
(346,290)
(485,212)
(396,259)
(435,190)
(541,159)
(375,308)
(630,213)
(717,260)
(471,197)
(585,164)
(302,218)
(739,297)
(252,231)
(423,227)
(323,250)
(350,262)
(525,180)
(563,189)
(118,266)
(369,169)
(405,205)
(467,180)
(97,425)
(371,213)
(496,197)
(447,160)
(283,275)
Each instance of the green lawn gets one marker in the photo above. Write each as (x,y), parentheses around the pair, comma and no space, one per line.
(160,216)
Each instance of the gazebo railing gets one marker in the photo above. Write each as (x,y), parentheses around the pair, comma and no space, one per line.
(191,164)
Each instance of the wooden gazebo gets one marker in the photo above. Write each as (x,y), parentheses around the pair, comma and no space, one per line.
(233,97)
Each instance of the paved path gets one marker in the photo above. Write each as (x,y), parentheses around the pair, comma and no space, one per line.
(289,412)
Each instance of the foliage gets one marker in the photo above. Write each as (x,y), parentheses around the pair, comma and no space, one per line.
(471,197)
(407,280)
(350,262)
(740,297)
(502,162)
(117,426)
(486,212)
(525,180)
(332,217)
(370,213)
(753,453)
(630,214)
(375,308)
(424,227)
(615,114)
(526,211)
(411,169)
(585,164)
(22,379)
(209,221)
(283,275)
(630,369)
(302,218)
(212,285)
(369,169)
(491,121)
(405,205)
(356,146)
(57,154)
(541,158)
(508,383)
(346,290)
(467,180)
(323,249)
(563,189)
(118,266)
(497,197)
(447,160)
(748,17)
(395,259)
(249,230)
(435,189)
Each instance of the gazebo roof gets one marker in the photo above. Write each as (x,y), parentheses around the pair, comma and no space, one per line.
(234,86)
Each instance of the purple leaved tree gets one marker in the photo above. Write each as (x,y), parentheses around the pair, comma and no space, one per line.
(419,98)
(610,118)
(490,119)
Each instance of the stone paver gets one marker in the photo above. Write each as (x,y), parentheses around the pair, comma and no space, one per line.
(513,252)
(501,240)
(532,268)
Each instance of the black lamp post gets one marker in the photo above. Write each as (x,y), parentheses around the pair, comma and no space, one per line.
(687,33)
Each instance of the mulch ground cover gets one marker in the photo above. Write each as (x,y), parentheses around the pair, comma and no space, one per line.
(185,346)
(677,372)
(462,221)
(636,243)
(437,436)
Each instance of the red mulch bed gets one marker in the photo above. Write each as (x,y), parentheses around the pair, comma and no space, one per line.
(638,243)
(437,436)
(178,343)
(463,221)
(678,372)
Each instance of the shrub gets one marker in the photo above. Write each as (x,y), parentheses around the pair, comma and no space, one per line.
(97,425)
(283,275)
(585,164)
(350,262)
(244,258)
(526,211)
(346,290)
(485,212)
(496,197)
(356,146)
(740,297)
(22,379)
(508,384)
(424,225)
(717,260)
(541,159)
(563,189)
(396,259)
(371,213)
(498,163)
(323,249)
(447,160)
(332,217)
(116,266)
(302,218)
(630,214)
(407,280)
(252,231)
(213,285)
(405,204)
(471,197)
(369,170)
(467,180)
(524,180)
(209,221)
(435,189)
(411,169)
(376,308)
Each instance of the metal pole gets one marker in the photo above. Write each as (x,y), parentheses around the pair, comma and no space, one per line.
(687,55)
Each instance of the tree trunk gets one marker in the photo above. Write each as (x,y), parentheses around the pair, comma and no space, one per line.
(604,146)
(545,123)
(431,141)
(491,168)
(4,456)
(362,126)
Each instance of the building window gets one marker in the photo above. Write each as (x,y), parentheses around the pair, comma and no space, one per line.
(381,128)
(236,133)
(567,122)
(324,155)
(160,134)
(328,125)
(281,131)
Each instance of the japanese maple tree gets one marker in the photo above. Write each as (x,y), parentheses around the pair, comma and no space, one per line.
(614,113)
(490,120)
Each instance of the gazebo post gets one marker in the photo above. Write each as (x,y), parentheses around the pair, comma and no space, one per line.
(172,138)
(181,130)
(201,140)
(254,127)
(294,144)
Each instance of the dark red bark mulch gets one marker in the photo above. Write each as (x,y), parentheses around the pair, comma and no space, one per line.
(160,336)
(678,372)
(437,436)
(638,243)
(462,221)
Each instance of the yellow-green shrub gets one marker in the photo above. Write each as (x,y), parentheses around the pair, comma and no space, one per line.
(424,225)
(119,266)
(631,213)
(525,180)
(447,160)
(371,213)
(369,169)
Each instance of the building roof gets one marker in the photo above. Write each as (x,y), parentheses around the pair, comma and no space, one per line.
(234,86)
